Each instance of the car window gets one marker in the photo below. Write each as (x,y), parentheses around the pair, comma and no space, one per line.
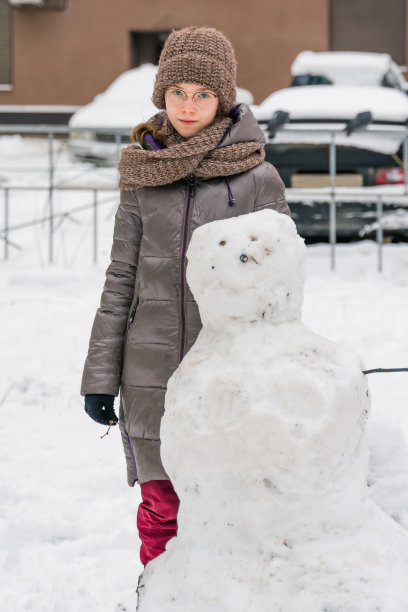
(310,79)
(390,80)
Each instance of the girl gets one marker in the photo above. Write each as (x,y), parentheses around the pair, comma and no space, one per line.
(200,160)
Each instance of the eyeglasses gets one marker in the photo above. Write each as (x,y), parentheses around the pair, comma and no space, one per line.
(202,99)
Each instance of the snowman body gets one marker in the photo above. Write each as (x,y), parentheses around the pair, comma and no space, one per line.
(264,440)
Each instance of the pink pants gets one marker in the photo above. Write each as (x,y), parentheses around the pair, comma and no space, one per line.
(156,518)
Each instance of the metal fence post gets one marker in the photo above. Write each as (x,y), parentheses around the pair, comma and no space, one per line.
(95,227)
(332,230)
(379,232)
(332,233)
(51,196)
(117,140)
(6,221)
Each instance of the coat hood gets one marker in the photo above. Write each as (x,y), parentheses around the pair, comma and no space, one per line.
(244,129)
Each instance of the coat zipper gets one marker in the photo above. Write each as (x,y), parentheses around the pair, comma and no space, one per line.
(131,319)
(133,457)
(183,288)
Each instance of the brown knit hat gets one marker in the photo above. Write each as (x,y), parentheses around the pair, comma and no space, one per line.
(197,55)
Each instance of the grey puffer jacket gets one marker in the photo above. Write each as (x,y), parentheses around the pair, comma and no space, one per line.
(148,318)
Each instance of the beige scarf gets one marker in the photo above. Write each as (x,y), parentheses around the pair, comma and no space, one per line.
(198,155)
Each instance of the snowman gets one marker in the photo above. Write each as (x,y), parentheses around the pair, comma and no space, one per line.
(264,439)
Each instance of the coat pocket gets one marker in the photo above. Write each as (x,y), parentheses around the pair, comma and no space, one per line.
(131,318)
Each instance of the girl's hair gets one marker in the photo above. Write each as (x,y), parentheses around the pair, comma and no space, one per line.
(140,130)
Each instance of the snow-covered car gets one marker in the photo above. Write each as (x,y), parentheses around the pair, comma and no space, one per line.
(363,97)
(334,86)
(99,129)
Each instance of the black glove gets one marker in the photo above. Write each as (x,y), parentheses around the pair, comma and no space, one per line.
(100,408)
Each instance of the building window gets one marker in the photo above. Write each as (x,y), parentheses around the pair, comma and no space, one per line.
(5,45)
(145,47)
(368,25)
(58,5)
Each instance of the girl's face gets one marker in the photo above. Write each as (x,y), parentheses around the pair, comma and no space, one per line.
(189,116)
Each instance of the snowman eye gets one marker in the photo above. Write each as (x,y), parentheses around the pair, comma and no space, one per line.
(222,243)
(244,258)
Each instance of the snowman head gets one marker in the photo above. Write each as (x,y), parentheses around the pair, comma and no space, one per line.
(248,268)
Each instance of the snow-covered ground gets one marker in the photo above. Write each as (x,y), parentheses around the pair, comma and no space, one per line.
(68,539)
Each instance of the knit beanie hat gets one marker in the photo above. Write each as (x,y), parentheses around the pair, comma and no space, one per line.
(197,55)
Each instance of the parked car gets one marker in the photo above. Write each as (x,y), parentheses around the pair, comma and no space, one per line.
(363,96)
(125,103)
(347,68)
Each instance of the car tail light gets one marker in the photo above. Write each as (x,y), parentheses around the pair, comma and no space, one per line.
(389,176)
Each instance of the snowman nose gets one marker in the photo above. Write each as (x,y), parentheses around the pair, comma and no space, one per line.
(244,258)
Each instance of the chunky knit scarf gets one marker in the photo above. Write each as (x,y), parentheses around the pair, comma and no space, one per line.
(197,155)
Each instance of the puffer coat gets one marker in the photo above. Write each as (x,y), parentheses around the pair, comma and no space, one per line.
(148,319)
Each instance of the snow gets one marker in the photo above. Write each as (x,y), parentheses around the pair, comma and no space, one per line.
(244,95)
(68,538)
(20,2)
(341,102)
(223,298)
(393,220)
(264,439)
(125,103)
(346,67)
(389,194)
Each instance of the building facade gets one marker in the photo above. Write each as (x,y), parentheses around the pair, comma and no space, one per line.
(63,52)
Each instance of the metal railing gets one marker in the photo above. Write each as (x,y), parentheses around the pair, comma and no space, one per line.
(333,199)
(330,196)
(335,195)
(51,132)
(52,217)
